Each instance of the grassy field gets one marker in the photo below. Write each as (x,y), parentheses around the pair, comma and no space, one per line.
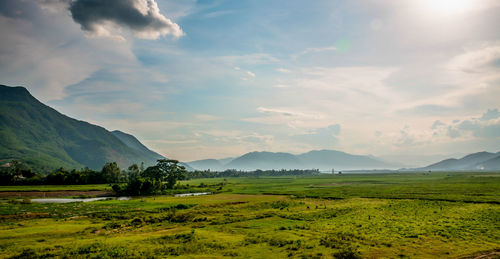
(449,215)
(467,187)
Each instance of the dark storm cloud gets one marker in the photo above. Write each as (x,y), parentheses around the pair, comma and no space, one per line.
(142,17)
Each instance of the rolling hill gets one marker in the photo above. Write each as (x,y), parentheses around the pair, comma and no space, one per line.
(43,138)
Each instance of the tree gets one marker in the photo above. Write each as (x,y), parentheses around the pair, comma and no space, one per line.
(153,172)
(166,170)
(6,176)
(133,171)
(57,177)
(15,169)
(171,171)
(141,186)
(150,181)
(111,172)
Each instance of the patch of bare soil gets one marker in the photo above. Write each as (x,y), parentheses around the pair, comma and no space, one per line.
(53,194)
(28,215)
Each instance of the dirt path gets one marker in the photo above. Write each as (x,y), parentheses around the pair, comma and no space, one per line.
(486,255)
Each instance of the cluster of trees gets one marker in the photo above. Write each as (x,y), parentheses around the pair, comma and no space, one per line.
(256,173)
(155,179)
(16,173)
(135,180)
(110,173)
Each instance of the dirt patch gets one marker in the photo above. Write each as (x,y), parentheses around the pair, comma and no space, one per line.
(28,215)
(53,194)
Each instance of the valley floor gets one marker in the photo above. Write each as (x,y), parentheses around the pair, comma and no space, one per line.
(361,216)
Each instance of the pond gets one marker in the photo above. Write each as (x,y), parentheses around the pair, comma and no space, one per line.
(192,194)
(68,200)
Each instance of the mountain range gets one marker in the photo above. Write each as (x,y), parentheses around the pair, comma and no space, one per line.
(326,160)
(43,138)
(477,161)
(317,159)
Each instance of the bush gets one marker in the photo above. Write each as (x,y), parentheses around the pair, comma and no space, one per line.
(347,253)
(280,205)
(27,253)
(116,188)
(136,222)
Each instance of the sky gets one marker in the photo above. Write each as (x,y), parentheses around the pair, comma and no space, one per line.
(408,81)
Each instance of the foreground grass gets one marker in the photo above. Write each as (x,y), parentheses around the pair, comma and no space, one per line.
(369,216)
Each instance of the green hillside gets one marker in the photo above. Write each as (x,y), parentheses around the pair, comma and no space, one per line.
(45,139)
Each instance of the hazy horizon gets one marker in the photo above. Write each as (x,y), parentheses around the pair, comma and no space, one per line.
(406,81)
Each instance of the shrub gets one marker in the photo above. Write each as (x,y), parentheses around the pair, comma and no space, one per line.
(347,253)
(280,204)
(136,222)
(27,253)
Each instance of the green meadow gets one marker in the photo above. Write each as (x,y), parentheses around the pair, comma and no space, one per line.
(404,215)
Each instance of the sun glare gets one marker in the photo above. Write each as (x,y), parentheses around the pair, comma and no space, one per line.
(449,7)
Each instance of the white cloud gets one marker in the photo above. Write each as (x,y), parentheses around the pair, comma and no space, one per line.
(315,50)
(283,70)
(345,89)
(449,86)
(206,117)
(320,138)
(248,59)
(437,124)
(216,14)
(292,118)
(491,114)
(40,64)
